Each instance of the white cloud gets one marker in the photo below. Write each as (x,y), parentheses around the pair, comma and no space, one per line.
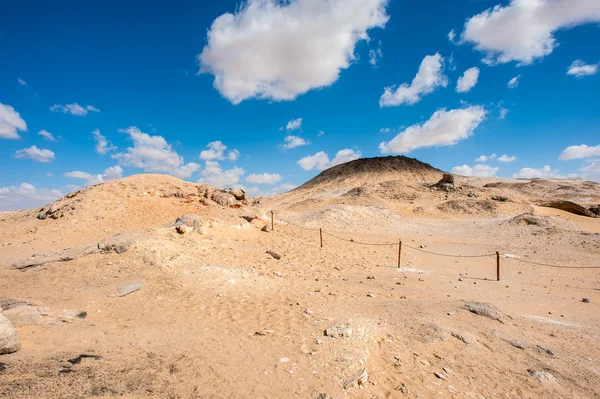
(477,170)
(374,56)
(112,173)
(216,152)
(506,158)
(22,82)
(579,152)
(452,36)
(503,112)
(429,77)
(591,171)
(524,30)
(532,173)
(103,146)
(384,130)
(10,122)
(485,158)
(514,82)
(283,188)
(264,178)
(153,154)
(294,141)
(37,154)
(320,160)
(25,196)
(277,50)
(294,124)
(47,135)
(74,109)
(580,69)
(321,133)
(442,129)
(214,175)
(468,80)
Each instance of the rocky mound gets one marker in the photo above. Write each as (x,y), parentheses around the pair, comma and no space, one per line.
(373,170)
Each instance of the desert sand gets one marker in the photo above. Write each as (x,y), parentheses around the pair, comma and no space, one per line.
(114,294)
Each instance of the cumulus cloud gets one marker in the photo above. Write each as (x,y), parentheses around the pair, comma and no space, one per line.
(468,80)
(282,188)
(429,77)
(442,129)
(485,158)
(10,122)
(112,173)
(216,152)
(321,133)
(580,69)
(523,30)
(294,124)
(532,173)
(506,158)
(74,109)
(25,196)
(579,152)
(294,141)
(22,82)
(37,154)
(503,112)
(477,170)
(264,178)
(514,82)
(321,161)
(214,175)
(277,50)
(47,135)
(591,171)
(103,146)
(153,154)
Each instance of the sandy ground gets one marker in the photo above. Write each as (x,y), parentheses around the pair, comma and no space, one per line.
(217,317)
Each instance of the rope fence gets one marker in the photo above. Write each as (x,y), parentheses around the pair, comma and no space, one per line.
(400,245)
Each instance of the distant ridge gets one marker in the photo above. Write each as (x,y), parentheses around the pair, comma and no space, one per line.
(374,170)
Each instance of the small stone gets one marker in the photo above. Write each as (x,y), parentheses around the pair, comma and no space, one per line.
(264,332)
(266,228)
(9,338)
(371,295)
(439,375)
(129,289)
(274,254)
(361,379)
(277,274)
(339,331)
(586,300)
(543,376)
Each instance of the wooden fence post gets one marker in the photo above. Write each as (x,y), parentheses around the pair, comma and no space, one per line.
(321,235)
(399,252)
(497,266)
(272,222)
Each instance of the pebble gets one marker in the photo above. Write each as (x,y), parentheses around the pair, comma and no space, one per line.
(586,300)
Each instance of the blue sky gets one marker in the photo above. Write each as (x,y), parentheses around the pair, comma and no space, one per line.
(161,84)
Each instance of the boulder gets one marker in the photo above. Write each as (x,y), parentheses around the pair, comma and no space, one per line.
(339,331)
(238,194)
(485,309)
(223,199)
(266,228)
(9,338)
(446,183)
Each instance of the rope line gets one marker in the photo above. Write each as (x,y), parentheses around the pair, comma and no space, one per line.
(437,253)
(548,265)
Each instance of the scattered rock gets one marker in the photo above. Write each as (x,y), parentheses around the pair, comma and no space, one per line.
(129,289)
(266,228)
(544,351)
(486,310)
(371,295)
(514,343)
(264,332)
(183,229)
(81,315)
(439,375)
(464,337)
(238,193)
(361,379)
(586,300)
(9,338)
(78,359)
(274,254)
(499,198)
(64,255)
(446,183)
(543,376)
(339,331)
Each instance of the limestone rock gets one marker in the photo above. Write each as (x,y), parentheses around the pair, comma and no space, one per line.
(485,309)
(9,338)
(129,288)
(339,331)
(238,194)
(266,228)
(223,199)
(543,376)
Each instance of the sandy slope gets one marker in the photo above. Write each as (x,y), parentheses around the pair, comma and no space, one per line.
(190,330)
